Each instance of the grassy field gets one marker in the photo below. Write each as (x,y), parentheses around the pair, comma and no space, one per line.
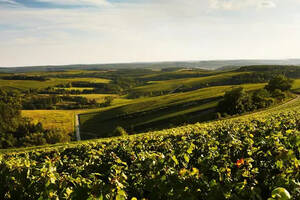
(53,119)
(159,112)
(27,84)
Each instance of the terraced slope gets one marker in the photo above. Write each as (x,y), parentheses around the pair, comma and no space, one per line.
(157,112)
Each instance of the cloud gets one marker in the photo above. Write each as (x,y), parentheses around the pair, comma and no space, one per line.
(60,4)
(147,30)
(8,2)
(267,4)
(77,2)
(241,4)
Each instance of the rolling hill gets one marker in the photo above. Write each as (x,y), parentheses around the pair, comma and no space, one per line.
(209,64)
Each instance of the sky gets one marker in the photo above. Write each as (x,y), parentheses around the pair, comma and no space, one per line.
(55,32)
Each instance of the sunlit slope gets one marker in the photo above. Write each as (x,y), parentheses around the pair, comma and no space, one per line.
(157,112)
(52,119)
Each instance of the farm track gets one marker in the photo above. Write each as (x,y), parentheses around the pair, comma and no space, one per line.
(77,127)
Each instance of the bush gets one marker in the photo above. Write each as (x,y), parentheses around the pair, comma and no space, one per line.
(119,131)
(56,136)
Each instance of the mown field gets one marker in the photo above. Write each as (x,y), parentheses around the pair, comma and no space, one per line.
(242,158)
(53,119)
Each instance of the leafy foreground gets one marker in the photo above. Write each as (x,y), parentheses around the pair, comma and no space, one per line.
(240,158)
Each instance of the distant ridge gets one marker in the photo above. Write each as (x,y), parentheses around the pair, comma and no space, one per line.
(205,64)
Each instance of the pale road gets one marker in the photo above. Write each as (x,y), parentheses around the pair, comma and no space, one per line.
(77,128)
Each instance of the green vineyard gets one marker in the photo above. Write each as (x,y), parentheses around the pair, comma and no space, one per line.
(245,157)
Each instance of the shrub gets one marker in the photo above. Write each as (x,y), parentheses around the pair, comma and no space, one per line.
(119,131)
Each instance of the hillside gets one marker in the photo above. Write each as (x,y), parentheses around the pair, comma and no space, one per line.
(209,64)
(157,112)
(241,158)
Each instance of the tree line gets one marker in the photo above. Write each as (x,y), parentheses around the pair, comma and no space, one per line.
(25,77)
(65,102)
(238,101)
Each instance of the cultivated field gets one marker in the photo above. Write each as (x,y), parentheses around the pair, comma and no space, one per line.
(256,152)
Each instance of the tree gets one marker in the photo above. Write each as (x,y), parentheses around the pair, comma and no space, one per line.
(10,114)
(236,101)
(262,98)
(279,82)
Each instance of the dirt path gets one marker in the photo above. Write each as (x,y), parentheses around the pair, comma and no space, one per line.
(77,127)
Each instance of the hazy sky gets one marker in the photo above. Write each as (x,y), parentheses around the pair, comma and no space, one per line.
(40,32)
